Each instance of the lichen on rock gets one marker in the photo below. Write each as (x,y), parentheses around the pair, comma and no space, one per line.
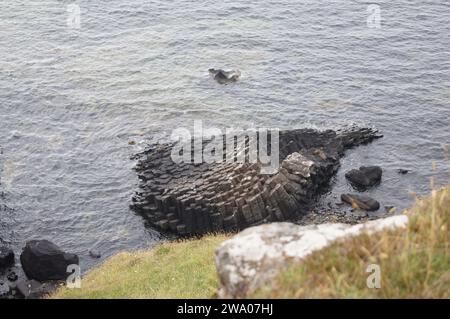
(253,257)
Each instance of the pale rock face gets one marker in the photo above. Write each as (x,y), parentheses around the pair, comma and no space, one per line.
(256,255)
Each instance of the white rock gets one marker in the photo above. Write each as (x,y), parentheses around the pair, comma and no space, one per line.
(256,255)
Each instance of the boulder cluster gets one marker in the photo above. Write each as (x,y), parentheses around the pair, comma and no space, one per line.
(44,265)
(363,179)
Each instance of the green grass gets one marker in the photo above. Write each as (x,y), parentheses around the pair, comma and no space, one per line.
(414,263)
(180,269)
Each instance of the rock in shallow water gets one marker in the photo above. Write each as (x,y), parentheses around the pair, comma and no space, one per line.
(189,199)
(224,77)
(364,177)
(6,257)
(94,253)
(361,201)
(42,260)
(12,276)
(252,258)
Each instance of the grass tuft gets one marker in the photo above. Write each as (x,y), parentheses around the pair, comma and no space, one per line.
(179,269)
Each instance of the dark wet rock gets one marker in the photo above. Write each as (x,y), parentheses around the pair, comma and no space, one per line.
(224,77)
(94,253)
(190,199)
(390,209)
(364,177)
(6,257)
(42,260)
(361,201)
(33,289)
(402,171)
(12,276)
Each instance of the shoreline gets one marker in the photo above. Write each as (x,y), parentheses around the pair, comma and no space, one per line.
(328,158)
(173,282)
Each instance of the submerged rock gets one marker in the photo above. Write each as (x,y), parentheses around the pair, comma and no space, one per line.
(361,202)
(196,198)
(224,77)
(252,258)
(94,253)
(12,276)
(6,257)
(364,177)
(42,260)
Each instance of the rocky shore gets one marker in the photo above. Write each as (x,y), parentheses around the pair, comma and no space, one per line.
(196,198)
(191,199)
(44,267)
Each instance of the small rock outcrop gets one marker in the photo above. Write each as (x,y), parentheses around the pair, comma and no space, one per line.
(224,77)
(94,253)
(361,202)
(190,199)
(255,256)
(6,257)
(364,177)
(42,260)
(32,289)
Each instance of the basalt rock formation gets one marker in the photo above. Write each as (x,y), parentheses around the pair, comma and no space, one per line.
(191,199)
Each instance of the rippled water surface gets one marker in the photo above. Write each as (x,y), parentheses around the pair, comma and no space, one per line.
(71,100)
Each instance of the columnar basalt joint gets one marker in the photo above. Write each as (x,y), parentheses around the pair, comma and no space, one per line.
(190,199)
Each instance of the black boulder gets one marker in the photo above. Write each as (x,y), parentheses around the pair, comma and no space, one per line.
(6,257)
(361,202)
(42,260)
(364,177)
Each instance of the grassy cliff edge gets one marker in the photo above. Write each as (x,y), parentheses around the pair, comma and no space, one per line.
(414,263)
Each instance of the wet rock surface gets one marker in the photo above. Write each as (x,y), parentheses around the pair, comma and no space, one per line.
(364,177)
(255,256)
(94,253)
(6,257)
(42,260)
(224,77)
(361,202)
(189,199)
(12,276)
